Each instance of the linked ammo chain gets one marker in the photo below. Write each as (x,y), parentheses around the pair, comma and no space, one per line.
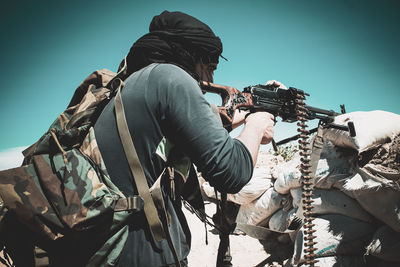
(306,179)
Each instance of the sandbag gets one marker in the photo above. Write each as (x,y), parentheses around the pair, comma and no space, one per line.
(335,164)
(287,176)
(335,235)
(333,202)
(279,220)
(371,127)
(378,196)
(258,184)
(262,208)
(384,162)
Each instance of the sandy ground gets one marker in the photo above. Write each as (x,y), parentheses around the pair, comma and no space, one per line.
(245,251)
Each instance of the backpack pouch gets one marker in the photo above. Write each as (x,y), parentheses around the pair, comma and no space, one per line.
(22,194)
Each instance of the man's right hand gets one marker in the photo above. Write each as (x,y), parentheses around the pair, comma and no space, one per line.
(262,121)
(258,129)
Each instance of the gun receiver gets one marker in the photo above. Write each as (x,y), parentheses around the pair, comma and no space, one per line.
(277,101)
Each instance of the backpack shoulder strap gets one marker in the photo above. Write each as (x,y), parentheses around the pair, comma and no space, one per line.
(136,169)
(150,210)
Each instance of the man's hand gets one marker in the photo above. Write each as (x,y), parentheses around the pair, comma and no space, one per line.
(258,129)
(239,115)
(262,120)
(276,84)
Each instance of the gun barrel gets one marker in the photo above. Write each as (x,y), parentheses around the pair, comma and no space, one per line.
(322,111)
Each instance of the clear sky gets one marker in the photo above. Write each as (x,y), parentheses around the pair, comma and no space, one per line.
(340,52)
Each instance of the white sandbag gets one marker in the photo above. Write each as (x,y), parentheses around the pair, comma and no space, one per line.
(364,180)
(279,220)
(335,164)
(287,176)
(262,208)
(372,128)
(385,245)
(332,202)
(378,196)
(335,235)
(258,184)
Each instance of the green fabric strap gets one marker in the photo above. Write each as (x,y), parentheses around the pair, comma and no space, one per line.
(150,210)
(134,203)
(157,194)
(317,146)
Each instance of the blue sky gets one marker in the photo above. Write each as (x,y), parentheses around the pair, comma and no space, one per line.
(340,52)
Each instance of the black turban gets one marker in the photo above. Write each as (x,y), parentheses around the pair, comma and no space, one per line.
(176,38)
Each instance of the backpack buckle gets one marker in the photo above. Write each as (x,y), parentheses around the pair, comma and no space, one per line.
(133,203)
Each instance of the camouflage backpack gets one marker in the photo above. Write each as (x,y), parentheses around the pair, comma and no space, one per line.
(61,199)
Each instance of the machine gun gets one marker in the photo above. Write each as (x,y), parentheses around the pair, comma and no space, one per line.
(289,105)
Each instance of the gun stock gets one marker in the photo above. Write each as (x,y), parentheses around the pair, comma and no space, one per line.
(232,99)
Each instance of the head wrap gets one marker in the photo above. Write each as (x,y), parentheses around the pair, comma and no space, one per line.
(177,38)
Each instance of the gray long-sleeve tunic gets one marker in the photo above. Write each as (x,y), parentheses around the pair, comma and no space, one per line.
(162,100)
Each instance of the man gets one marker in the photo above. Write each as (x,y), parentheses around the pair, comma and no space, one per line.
(163,101)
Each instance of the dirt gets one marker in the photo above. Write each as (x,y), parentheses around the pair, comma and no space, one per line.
(245,251)
(387,156)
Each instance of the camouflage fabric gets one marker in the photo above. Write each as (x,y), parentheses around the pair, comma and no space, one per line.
(63,193)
